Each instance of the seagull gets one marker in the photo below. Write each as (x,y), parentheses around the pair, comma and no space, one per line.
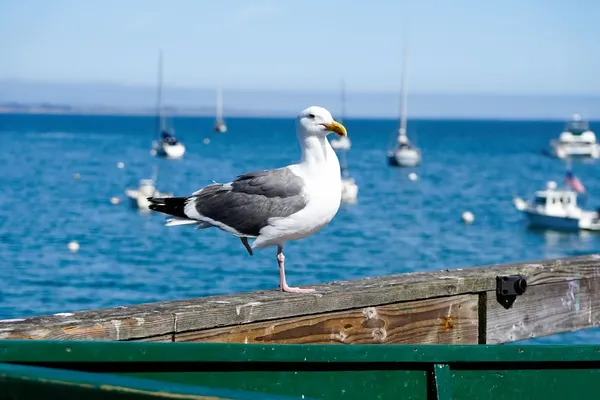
(273,206)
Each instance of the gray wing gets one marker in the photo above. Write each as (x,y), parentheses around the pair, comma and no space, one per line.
(247,203)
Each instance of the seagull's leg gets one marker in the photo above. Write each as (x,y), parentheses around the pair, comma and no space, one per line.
(282,283)
(246,245)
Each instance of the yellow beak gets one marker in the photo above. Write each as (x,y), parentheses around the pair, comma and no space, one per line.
(336,128)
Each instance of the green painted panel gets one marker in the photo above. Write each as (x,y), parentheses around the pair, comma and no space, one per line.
(27,382)
(350,385)
(566,384)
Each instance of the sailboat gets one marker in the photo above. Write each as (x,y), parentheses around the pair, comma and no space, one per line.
(220,125)
(343,143)
(167,146)
(403,153)
(349,186)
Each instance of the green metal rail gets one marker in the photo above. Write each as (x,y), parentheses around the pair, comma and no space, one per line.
(238,371)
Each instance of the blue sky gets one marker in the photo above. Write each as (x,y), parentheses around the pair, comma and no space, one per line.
(509,46)
(461,46)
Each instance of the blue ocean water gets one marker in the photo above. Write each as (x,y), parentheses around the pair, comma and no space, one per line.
(397,226)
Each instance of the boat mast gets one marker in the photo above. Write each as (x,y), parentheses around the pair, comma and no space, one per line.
(343,100)
(155,174)
(403,98)
(344,161)
(160,123)
(219,105)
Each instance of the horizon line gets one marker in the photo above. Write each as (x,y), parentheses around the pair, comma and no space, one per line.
(241,114)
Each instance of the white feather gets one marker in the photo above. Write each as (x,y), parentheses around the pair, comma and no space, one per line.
(176,221)
(323,192)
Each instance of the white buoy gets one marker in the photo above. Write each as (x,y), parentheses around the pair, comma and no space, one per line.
(412,176)
(120,165)
(206,141)
(73,246)
(468,217)
(115,200)
(76,176)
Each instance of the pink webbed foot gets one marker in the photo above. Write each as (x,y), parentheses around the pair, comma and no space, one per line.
(283,286)
(289,289)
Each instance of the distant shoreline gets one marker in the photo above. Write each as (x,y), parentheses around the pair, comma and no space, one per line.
(126,112)
(108,113)
(175,112)
(39,98)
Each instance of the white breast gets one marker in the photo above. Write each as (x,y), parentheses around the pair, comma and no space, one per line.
(323,191)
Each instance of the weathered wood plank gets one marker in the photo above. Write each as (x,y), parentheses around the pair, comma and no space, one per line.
(445,320)
(154,319)
(107,324)
(545,310)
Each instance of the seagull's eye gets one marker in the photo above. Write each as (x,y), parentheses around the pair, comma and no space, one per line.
(311,116)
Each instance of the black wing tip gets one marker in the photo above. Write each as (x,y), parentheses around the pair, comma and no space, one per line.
(156,206)
(168,205)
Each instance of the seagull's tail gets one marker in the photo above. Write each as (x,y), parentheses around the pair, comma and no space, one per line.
(169,205)
(175,206)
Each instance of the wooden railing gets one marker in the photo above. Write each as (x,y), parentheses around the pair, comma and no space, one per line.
(457,306)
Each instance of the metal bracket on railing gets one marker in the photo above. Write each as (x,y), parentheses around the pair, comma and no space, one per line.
(508,288)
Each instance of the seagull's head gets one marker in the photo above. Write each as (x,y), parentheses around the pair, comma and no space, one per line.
(317,121)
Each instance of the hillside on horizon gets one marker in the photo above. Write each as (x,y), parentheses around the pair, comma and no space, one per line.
(124,99)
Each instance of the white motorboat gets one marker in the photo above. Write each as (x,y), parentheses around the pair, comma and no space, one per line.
(558,209)
(167,146)
(220,125)
(403,153)
(138,198)
(576,140)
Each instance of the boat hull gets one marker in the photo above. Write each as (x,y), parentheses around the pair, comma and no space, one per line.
(579,151)
(220,127)
(349,191)
(537,220)
(392,160)
(404,158)
(170,151)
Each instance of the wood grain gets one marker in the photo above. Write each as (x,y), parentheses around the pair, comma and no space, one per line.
(119,323)
(545,310)
(446,320)
(168,318)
